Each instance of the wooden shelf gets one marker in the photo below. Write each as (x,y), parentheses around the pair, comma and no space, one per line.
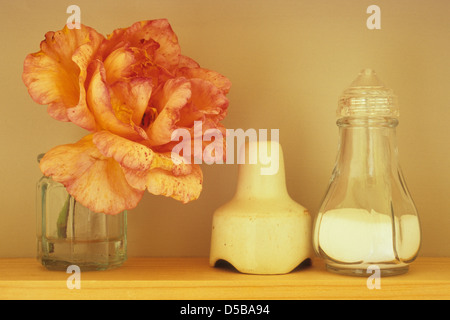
(194,279)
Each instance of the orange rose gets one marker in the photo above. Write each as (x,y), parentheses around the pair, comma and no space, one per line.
(131,90)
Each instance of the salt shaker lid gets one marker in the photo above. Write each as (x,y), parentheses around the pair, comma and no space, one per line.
(367,96)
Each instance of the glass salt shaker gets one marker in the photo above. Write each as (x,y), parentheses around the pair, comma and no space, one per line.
(367,216)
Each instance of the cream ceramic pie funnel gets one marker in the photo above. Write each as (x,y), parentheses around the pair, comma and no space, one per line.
(261,230)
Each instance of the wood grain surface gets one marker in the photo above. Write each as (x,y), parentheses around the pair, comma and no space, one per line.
(194,278)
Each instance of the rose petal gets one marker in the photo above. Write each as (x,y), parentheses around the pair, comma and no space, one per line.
(110,112)
(208,98)
(182,188)
(93,180)
(118,64)
(139,179)
(165,162)
(145,34)
(133,96)
(207,104)
(129,154)
(186,62)
(220,81)
(168,101)
(207,101)
(55,75)
(137,159)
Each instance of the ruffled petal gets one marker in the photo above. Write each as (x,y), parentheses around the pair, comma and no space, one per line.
(55,76)
(186,62)
(220,81)
(127,153)
(184,188)
(95,181)
(172,163)
(182,103)
(130,92)
(169,101)
(118,64)
(145,34)
(136,159)
(133,97)
(110,112)
(207,102)
(209,99)
(140,179)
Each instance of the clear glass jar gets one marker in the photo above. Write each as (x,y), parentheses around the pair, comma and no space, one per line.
(70,234)
(367,216)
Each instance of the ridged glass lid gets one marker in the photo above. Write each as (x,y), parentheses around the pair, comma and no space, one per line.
(367,96)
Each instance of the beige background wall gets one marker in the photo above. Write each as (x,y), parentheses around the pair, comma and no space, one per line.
(288,61)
